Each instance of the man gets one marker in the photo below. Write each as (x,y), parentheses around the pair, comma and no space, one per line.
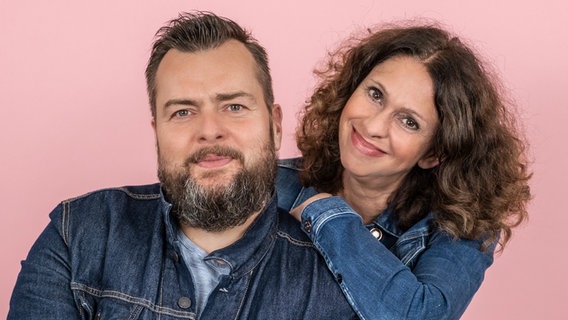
(207,242)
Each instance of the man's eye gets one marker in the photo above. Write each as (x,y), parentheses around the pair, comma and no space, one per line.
(182,113)
(235,107)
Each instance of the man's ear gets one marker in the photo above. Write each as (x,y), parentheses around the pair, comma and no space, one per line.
(429,161)
(277,125)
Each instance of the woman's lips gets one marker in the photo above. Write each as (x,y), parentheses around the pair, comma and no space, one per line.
(366,148)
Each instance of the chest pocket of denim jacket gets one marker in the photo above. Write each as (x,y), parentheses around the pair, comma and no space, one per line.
(109,309)
(100,308)
(409,248)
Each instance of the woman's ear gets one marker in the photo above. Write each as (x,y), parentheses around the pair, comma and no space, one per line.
(429,161)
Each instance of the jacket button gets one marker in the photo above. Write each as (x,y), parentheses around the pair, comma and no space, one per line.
(175,256)
(339,278)
(308,226)
(377,233)
(184,302)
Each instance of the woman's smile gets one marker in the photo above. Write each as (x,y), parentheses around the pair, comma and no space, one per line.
(363,146)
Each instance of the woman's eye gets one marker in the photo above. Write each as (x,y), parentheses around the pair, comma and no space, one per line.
(375,94)
(410,123)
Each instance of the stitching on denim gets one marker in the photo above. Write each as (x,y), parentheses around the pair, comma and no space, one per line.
(239,309)
(294,240)
(417,249)
(130,299)
(270,245)
(65,217)
(135,312)
(80,305)
(319,222)
(139,196)
(161,294)
(418,240)
(410,236)
(349,297)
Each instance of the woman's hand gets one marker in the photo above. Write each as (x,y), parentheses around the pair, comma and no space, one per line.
(297,211)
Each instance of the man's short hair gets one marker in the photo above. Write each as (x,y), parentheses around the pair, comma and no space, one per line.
(197,31)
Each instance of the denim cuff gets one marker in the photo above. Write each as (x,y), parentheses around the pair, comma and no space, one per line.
(321,211)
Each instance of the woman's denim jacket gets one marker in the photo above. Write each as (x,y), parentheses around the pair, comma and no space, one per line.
(420,273)
(113,254)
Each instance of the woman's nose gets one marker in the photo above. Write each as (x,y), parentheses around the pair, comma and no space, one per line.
(377,124)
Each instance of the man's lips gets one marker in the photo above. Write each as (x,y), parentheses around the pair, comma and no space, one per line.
(211,161)
(214,157)
(365,147)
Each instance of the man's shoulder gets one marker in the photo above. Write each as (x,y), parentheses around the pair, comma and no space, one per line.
(289,230)
(291,192)
(139,192)
(116,213)
(111,203)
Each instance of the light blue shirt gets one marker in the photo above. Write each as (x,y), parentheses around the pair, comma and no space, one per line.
(205,273)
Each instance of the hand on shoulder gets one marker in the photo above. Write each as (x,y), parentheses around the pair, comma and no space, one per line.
(297,211)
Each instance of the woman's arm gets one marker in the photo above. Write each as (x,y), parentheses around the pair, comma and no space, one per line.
(377,284)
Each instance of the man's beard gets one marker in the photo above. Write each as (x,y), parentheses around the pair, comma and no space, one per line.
(220,207)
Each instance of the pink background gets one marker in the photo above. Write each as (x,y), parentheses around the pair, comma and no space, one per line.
(76,118)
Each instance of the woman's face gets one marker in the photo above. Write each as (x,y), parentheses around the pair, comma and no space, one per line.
(388,123)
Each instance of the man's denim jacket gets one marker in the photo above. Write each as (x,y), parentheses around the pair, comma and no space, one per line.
(419,273)
(113,254)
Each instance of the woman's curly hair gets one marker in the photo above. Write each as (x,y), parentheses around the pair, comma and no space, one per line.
(480,188)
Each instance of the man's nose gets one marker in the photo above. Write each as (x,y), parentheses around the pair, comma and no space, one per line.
(211,126)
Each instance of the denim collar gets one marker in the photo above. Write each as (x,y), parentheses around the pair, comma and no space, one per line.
(389,224)
(243,255)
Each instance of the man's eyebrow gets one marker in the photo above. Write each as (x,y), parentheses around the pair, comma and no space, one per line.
(184,102)
(219,97)
(233,95)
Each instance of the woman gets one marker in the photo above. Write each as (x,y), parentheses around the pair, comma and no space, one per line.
(414,138)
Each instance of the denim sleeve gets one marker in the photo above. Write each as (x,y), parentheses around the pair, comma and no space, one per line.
(42,290)
(377,284)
